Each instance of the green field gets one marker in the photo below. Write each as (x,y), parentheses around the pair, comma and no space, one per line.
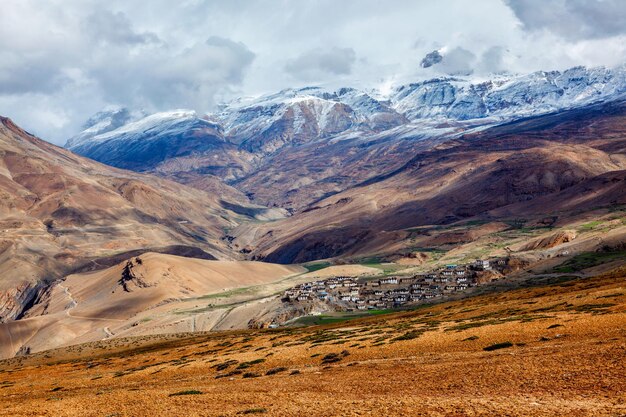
(590,226)
(587,260)
(312,267)
(336,318)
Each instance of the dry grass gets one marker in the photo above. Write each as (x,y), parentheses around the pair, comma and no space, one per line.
(413,363)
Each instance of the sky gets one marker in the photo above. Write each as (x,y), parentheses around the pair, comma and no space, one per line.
(61,61)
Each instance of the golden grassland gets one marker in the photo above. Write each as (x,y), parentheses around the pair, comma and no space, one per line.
(556,349)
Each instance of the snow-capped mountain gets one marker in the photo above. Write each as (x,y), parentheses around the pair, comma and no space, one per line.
(300,115)
(348,127)
(104,121)
(506,98)
(142,144)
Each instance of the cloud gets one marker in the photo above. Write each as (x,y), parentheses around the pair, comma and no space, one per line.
(159,78)
(319,62)
(109,27)
(20,74)
(572,19)
(63,60)
(493,60)
(457,61)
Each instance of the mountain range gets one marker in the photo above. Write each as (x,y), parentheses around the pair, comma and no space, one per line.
(442,170)
(291,148)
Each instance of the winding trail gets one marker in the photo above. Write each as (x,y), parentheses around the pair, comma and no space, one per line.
(73,304)
(107,332)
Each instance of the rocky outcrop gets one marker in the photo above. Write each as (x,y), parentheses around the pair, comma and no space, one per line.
(16,301)
(485,277)
(431,59)
(131,278)
(551,241)
(286,313)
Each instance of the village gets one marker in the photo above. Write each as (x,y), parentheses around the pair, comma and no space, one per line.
(350,293)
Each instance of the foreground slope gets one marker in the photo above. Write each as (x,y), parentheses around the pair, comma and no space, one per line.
(556,347)
(59,211)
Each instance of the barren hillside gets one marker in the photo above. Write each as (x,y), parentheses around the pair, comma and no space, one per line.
(60,211)
(148,294)
(555,165)
(552,349)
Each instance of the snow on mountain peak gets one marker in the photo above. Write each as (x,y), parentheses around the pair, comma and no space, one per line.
(318,112)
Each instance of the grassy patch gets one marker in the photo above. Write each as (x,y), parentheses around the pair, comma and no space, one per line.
(245,365)
(474,324)
(336,318)
(370,261)
(475,223)
(224,365)
(229,374)
(387,268)
(497,346)
(587,260)
(277,370)
(312,267)
(589,226)
(331,358)
(334,357)
(226,294)
(409,335)
(187,392)
(593,308)
(617,294)
(253,411)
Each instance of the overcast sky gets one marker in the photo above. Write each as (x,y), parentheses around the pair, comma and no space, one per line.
(63,60)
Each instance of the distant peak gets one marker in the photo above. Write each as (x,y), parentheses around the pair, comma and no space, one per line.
(431,58)
(9,124)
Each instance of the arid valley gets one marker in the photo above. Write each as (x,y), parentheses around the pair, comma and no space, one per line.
(214,229)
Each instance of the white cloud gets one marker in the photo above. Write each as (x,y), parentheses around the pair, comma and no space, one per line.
(458,61)
(573,19)
(115,28)
(319,63)
(63,60)
(159,78)
(493,60)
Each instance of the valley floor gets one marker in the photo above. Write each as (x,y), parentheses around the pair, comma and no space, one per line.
(552,350)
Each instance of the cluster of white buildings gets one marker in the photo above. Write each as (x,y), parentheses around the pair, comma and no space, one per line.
(349,293)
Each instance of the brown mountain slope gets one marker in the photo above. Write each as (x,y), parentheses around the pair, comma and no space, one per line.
(294,177)
(528,166)
(148,294)
(59,210)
